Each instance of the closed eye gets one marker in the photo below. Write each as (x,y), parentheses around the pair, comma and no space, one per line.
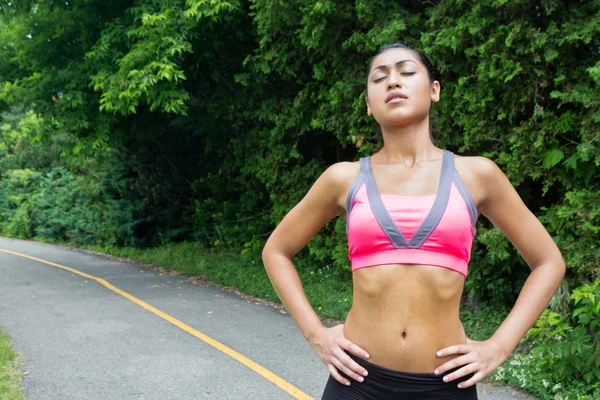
(403,73)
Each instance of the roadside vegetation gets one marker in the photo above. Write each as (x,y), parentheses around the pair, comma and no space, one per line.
(10,372)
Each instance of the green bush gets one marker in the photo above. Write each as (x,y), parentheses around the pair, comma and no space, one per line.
(564,355)
(17,191)
(81,211)
(20,224)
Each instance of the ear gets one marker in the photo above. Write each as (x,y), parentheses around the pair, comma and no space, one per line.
(435,91)
(369,113)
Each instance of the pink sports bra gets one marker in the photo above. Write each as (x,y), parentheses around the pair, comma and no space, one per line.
(392,229)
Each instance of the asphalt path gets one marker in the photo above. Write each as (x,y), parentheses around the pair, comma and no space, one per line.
(126,331)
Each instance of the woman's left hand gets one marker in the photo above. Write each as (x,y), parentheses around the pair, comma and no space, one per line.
(479,358)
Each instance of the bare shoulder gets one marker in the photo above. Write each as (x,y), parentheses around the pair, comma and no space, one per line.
(479,174)
(481,167)
(321,204)
(342,173)
(337,179)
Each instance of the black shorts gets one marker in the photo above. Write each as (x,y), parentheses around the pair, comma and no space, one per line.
(387,384)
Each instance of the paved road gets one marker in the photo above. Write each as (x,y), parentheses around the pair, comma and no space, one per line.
(81,340)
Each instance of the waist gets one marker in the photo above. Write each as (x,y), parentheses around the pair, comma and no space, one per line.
(403,314)
(404,345)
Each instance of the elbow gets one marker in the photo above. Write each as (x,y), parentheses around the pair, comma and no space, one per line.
(267,253)
(560,265)
(273,255)
(558,271)
(562,268)
(552,270)
(264,255)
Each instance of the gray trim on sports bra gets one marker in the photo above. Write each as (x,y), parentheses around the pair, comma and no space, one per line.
(356,184)
(384,218)
(448,175)
(378,208)
(464,192)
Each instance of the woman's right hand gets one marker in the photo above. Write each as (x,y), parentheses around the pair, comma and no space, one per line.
(331,347)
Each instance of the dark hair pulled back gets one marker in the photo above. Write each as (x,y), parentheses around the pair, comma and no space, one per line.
(432,72)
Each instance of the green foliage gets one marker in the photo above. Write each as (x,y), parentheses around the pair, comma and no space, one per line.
(11,386)
(493,275)
(213,9)
(153,40)
(19,225)
(575,224)
(17,190)
(482,322)
(570,345)
(208,120)
(62,207)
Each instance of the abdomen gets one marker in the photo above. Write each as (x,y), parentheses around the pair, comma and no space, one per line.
(403,314)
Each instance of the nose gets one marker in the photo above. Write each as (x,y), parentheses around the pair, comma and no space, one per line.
(394,81)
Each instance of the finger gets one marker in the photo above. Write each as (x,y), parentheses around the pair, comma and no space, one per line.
(464,371)
(456,349)
(336,375)
(347,371)
(454,363)
(354,349)
(474,379)
(351,364)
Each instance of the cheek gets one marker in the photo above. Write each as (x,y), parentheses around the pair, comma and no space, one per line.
(422,95)
(374,93)
(426,91)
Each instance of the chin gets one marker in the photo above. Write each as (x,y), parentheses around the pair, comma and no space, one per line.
(397,120)
(400,118)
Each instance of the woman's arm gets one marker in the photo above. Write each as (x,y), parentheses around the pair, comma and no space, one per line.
(324,201)
(501,204)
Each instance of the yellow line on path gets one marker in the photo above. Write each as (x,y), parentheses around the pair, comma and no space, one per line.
(288,387)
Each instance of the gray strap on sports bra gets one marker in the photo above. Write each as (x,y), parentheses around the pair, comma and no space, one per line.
(356,184)
(385,220)
(378,208)
(464,192)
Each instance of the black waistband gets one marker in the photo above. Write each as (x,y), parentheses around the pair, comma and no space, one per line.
(393,374)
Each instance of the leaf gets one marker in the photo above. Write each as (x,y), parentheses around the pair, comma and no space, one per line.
(550,54)
(571,162)
(552,157)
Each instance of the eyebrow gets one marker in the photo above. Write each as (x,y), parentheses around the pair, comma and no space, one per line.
(386,67)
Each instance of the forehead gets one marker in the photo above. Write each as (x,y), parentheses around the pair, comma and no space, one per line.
(390,57)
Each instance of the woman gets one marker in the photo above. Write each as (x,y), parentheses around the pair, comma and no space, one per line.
(410,212)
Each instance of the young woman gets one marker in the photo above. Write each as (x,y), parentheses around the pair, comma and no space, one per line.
(410,211)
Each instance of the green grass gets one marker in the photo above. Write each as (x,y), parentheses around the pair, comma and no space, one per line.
(10,376)
(329,292)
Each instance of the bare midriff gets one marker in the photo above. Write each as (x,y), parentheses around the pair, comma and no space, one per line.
(403,314)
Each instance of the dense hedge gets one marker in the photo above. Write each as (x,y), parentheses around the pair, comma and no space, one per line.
(519,84)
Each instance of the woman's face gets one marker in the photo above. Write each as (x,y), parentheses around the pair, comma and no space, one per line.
(399,90)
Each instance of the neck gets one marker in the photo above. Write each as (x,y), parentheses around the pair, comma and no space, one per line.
(408,144)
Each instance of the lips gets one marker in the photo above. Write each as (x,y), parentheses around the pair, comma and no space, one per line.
(395,95)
